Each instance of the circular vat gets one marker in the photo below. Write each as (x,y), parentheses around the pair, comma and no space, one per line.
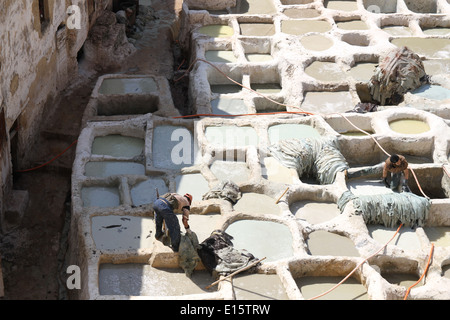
(296,13)
(256,203)
(428,47)
(324,243)
(409,126)
(355,39)
(268,239)
(325,71)
(316,42)
(342,5)
(300,27)
(363,71)
(352,25)
(314,212)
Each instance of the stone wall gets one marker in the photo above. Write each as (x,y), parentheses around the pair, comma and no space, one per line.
(39,43)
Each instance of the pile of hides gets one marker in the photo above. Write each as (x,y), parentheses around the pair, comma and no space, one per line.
(319,158)
(188,257)
(226,189)
(364,107)
(389,209)
(399,72)
(220,257)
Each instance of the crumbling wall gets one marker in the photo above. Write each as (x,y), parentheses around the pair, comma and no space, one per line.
(107,44)
(37,60)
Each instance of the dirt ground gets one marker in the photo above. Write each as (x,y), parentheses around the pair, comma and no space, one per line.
(33,253)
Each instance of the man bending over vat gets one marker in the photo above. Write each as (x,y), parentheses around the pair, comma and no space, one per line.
(165,208)
(395,173)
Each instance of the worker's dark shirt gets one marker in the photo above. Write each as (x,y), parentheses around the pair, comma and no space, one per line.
(391,167)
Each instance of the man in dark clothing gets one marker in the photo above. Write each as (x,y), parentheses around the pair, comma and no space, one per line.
(397,168)
(165,208)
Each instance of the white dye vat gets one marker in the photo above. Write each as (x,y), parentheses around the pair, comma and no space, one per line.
(300,27)
(103,197)
(439,31)
(367,187)
(194,183)
(122,232)
(128,86)
(291,131)
(342,5)
(254,7)
(236,171)
(256,203)
(145,192)
(429,47)
(173,147)
(262,238)
(433,92)
(440,236)
(398,30)
(316,42)
(295,13)
(325,71)
(258,57)
(324,243)
(405,239)
(257,29)
(259,287)
(327,102)
(116,145)
(232,136)
(351,289)
(143,280)
(363,71)
(228,106)
(352,25)
(110,168)
(314,212)
(438,66)
(220,56)
(274,171)
(216,31)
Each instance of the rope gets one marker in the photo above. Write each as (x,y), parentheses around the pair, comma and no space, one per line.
(343,280)
(48,162)
(423,274)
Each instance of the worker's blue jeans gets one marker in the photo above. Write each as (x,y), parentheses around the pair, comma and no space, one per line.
(164,212)
(396,181)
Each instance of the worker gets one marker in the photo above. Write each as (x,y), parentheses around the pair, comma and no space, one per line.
(166,207)
(397,168)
